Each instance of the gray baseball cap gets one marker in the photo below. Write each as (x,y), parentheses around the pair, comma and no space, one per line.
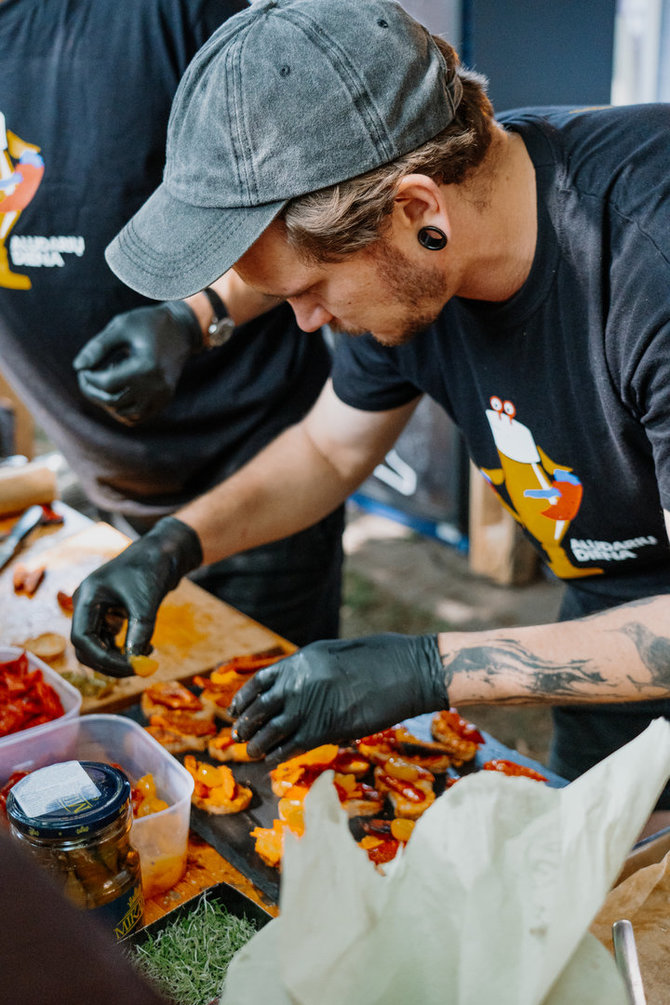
(287,97)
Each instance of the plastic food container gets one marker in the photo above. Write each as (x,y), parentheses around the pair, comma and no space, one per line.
(69,696)
(160,838)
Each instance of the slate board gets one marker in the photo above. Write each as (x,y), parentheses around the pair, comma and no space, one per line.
(230,835)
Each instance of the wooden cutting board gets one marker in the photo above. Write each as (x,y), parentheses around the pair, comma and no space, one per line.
(194,630)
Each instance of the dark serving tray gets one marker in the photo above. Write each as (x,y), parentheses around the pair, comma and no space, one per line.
(235,903)
(230,835)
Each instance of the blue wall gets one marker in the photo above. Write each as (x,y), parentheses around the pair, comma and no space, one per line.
(541,52)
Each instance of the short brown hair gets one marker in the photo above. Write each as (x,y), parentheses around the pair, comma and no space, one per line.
(347,217)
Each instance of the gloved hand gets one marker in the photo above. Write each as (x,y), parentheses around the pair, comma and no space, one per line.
(131,368)
(339,690)
(131,586)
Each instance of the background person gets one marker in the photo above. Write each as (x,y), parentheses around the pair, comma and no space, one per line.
(54,952)
(516,271)
(148,419)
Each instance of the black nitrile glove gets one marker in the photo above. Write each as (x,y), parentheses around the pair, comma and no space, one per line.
(131,368)
(131,586)
(339,690)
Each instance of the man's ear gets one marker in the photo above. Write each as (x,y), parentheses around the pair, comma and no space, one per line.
(420,202)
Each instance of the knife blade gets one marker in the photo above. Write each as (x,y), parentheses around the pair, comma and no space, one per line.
(21,529)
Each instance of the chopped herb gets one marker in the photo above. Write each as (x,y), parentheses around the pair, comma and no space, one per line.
(188,960)
(90,683)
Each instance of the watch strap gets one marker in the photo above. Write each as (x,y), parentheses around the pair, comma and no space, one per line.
(222,325)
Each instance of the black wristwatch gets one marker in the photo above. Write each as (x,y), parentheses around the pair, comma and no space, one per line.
(222,325)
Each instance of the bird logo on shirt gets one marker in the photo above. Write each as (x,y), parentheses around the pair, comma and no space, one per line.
(542,496)
(21,171)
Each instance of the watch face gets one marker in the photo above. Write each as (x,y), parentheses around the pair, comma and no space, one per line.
(219,333)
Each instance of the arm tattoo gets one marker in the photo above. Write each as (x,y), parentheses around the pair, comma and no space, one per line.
(653,651)
(541,677)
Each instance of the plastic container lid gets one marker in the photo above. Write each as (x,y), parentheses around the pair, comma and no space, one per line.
(68,800)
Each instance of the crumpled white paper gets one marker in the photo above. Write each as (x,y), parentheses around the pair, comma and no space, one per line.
(490,902)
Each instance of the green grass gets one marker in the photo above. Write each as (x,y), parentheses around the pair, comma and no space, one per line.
(188,960)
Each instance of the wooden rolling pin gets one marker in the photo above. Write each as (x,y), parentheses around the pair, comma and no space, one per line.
(25,485)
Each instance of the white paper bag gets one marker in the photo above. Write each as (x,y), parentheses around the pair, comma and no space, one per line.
(489,903)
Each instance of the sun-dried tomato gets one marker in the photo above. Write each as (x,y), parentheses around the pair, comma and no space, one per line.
(26,699)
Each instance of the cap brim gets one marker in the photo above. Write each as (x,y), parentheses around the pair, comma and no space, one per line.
(170,250)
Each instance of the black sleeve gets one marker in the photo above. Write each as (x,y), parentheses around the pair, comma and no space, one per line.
(366,375)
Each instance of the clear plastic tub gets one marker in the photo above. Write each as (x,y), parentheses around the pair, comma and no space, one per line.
(160,838)
(69,696)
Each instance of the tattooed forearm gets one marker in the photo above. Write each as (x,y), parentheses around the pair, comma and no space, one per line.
(653,651)
(543,679)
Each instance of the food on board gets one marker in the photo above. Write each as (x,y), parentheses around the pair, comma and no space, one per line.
(457,735)
(180,732)
(269,841)
(223,683)
(223,747)
(400,742)
(216,790)
(383,838)
(303,769)
(392,771)
(27,580)
(88,682)
(409,787)
(171,696)
(513,769)
(65,602)
(48,646)
(250,662)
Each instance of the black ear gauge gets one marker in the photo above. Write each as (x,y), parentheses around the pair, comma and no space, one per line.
(432,238)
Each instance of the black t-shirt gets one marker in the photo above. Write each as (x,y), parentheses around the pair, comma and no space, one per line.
(85,93)
(563,392)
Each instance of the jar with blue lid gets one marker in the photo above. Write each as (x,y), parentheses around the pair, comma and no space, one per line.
(75,817)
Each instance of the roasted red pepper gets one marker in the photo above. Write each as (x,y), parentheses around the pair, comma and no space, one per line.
(512,768)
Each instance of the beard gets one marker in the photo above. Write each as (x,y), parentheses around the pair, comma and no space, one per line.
(417,294)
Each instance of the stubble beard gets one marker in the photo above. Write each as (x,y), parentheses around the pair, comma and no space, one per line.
(417,293)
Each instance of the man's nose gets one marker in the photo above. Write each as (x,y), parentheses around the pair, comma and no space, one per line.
(310,315)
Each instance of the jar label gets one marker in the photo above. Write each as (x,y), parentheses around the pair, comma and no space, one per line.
(65,786)
(124,914)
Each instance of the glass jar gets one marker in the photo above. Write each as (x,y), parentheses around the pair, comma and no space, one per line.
(75,818)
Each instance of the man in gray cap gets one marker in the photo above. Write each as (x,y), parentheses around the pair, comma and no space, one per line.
(337,155)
